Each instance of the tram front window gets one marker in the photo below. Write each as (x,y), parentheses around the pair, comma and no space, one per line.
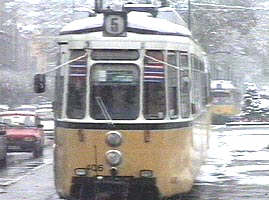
(220,98)
(114,92)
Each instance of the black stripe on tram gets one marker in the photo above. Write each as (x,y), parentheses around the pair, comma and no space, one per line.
(133,30)
(121,126)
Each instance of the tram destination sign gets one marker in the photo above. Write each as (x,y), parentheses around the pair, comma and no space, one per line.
(115,24)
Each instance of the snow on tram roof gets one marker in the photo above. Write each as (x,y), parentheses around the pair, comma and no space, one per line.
(138,22)
(222,84)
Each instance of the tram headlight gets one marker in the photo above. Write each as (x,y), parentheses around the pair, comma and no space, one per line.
(113,157)
(81,172)
(113,138)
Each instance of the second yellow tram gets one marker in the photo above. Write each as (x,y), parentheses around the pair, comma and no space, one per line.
(226,101)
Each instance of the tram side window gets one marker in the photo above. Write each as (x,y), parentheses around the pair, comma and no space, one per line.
(204,85)
(172,77)
(184,86)
(114,92)
(59,90)
(154,88)
(59,87)
(76,97)
(194,66)
(197,83)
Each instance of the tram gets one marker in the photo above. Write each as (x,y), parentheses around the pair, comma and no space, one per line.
(131,106)
(226,99)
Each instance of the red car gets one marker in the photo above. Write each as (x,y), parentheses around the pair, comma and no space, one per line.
(24,132)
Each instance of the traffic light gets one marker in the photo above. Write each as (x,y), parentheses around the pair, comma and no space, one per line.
(39,83)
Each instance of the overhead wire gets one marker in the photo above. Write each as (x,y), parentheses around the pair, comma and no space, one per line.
(66,63)
(218,7)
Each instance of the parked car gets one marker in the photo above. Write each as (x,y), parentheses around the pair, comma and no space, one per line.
(3,145)
(46,116)
(24,132)
(31,108)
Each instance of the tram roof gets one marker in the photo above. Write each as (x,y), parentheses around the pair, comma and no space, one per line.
(222,84)
(138,22)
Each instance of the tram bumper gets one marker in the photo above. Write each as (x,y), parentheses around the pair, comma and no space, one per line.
(114,188)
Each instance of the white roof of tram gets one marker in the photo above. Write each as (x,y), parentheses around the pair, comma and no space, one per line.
(222,84)
(139,22)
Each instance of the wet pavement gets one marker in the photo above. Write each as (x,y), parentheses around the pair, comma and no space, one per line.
(20,164)
(237,167)
(28,178)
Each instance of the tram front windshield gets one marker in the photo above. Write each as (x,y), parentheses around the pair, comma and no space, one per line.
(114,92)
(221,97)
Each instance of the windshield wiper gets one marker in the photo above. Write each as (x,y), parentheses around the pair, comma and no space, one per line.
(103,108)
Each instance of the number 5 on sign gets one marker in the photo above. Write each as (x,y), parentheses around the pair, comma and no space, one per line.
(115,24)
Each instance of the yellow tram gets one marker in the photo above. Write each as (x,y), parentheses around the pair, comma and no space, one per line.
(131,108)
(226,99)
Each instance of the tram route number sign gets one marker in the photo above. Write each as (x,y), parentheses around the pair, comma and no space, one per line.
(115,24)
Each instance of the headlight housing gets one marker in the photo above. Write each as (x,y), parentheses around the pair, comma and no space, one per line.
(114,157)
(113,138)
(81,171)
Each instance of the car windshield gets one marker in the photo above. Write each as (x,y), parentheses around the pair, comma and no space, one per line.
(45,115)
